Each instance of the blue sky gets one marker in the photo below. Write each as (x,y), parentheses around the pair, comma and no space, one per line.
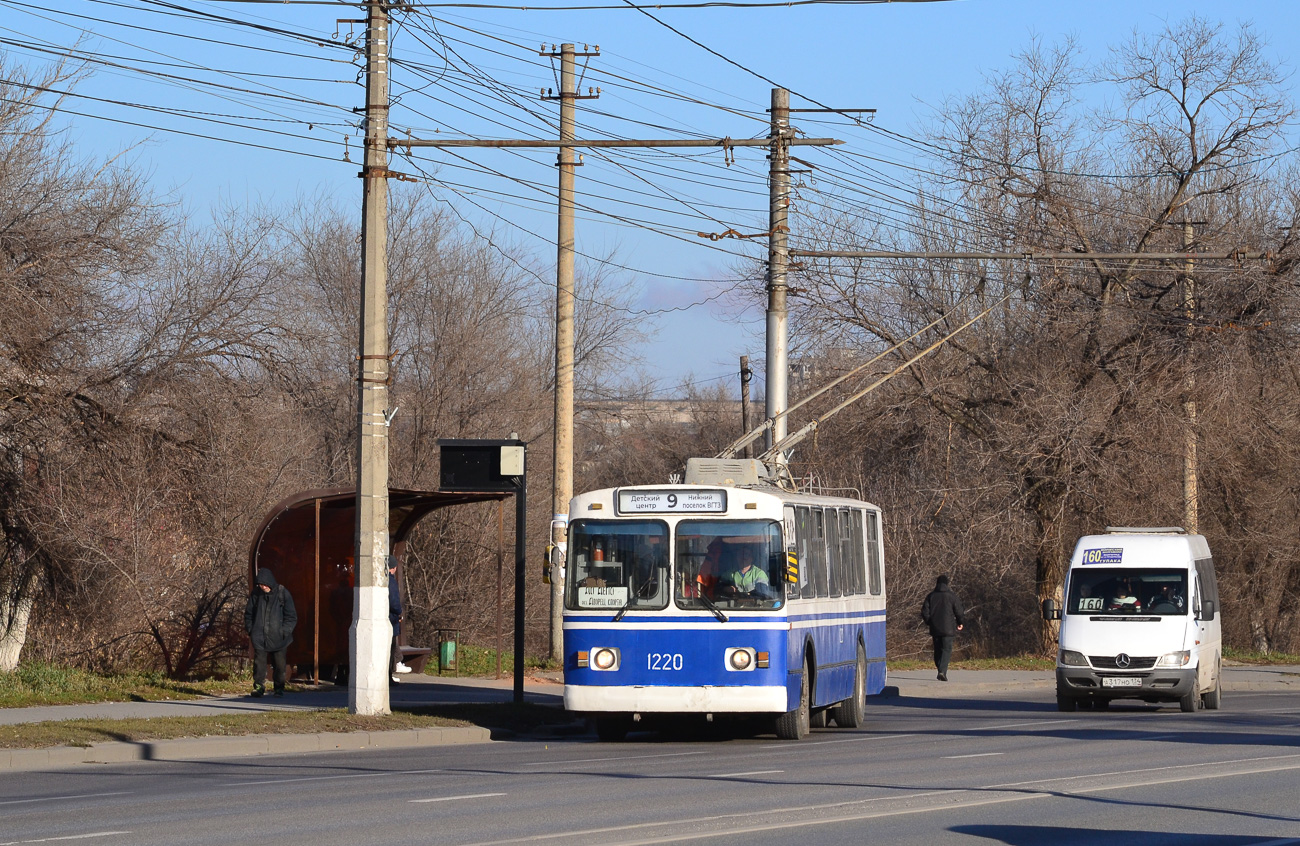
(275,129)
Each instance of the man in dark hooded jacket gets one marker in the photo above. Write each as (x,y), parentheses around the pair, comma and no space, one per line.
(269,619)
(943,613)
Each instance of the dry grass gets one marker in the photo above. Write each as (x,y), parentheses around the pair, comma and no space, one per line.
(512,718)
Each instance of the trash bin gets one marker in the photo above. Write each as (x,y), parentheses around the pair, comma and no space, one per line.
(447,650)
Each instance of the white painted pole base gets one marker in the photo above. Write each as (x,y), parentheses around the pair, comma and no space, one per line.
(370,639)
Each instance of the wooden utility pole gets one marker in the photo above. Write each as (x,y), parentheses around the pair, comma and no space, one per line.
(370,635)
(778,256)
(1189,400)
(562,487)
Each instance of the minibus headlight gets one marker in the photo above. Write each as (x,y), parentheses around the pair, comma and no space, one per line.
(1175,659)
(740,659)
(604,658)
(1070,658)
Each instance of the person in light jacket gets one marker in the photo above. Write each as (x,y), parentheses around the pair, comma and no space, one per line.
(943,613)
(269,620)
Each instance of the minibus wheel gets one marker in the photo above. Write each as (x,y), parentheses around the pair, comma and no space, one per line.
(1066,703)
(1189,702)
(1214,698)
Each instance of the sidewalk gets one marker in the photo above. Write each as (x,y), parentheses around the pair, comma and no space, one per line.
(414,690)
(432,690)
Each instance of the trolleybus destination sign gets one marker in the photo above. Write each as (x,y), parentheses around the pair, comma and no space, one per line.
(672,502)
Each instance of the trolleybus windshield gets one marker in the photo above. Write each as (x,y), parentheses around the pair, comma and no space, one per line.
(736,564)
(617,565)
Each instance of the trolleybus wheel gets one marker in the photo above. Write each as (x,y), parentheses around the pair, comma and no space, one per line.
(852,712)
(819,719)
(611,729)
(796,724)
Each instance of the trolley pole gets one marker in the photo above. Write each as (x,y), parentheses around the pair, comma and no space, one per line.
(370,636)
(778,245)
(562,489)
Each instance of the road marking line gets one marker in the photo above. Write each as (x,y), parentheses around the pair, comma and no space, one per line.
(617,760)
(977,755)
(454,798)
(859,739)
(335,778)
(63,798)
(753,773)
(1019,725)
(68,837)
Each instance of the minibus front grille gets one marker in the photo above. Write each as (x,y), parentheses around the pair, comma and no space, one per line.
(1108,662)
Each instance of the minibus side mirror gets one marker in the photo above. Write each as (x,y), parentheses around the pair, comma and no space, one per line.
(1050,611)
(1207,609)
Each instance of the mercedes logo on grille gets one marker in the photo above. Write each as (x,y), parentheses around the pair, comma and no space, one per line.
(1122,660)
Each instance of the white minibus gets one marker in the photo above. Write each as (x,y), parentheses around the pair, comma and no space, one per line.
(1140,621)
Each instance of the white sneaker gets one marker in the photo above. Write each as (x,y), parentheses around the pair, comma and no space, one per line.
(402,668)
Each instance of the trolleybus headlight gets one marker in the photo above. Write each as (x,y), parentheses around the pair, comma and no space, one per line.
(740,659)
(1070,658)
(1175,659)
(604,658)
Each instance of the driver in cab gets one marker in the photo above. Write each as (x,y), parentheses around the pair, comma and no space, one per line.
(744,577)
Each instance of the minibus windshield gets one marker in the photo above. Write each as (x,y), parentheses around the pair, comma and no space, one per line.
(1127,590)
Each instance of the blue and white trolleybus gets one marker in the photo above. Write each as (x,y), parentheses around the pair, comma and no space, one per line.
(726,595)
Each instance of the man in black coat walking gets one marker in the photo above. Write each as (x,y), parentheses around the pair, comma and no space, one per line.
(943,613)
(269,619)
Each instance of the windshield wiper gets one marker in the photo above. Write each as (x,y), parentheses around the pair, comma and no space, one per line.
(717,612)
(623,610)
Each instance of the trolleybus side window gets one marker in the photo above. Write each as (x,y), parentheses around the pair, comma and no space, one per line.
(735,564)
(617,564)
(834,564)
(873,552)
(803,538)
(817,550)
(853,552)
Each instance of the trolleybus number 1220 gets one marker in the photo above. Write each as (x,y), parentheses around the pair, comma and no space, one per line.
(663,661)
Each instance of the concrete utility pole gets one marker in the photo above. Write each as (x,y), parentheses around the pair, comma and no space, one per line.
(1189,401)
(370,635)
(778,256)
(562,489)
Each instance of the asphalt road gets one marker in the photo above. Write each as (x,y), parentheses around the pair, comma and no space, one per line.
(989,769)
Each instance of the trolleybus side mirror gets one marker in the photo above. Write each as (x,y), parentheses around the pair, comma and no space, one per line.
(1050,611)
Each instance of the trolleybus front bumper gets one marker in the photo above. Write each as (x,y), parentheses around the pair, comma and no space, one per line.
(656,699)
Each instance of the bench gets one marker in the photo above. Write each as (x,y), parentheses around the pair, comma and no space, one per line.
(415,657)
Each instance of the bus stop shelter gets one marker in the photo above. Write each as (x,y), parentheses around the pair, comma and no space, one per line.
(308,540)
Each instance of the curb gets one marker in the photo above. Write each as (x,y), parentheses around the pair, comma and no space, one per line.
(243,746)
